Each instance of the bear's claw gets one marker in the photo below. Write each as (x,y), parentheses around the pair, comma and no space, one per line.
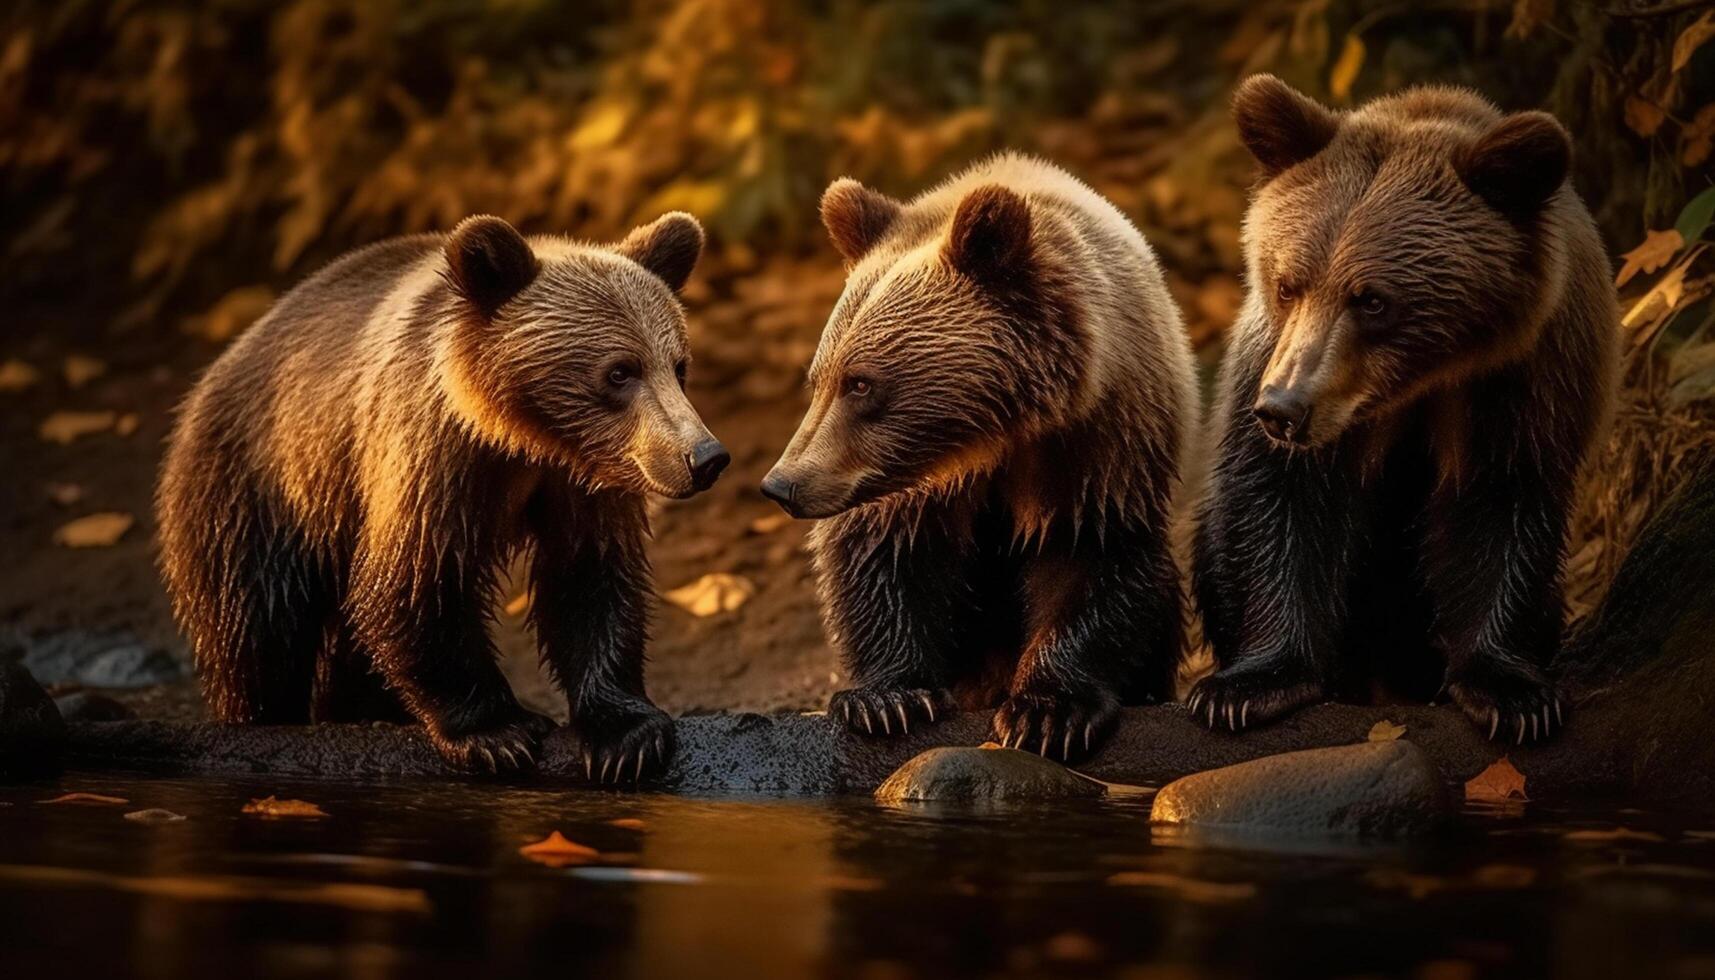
(1511,705)
(640,742)
(504,748)
(876,710)
(1227,700)
(1062,727)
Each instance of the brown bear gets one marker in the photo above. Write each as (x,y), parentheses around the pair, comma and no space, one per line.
(1001,404)
(347,480)
(1426,355)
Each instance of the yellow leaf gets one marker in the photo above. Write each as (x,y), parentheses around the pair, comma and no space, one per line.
(94,531)
(1385,731)
(273,807)
(714,593)
(1655,251)
(15,375)
(67,427)
(627,823)
(556,851)
(1697,139)
(232,313)
(770,523)
(80,370)
(1692,38)
(601,127)
(1499,783)
(1345,71)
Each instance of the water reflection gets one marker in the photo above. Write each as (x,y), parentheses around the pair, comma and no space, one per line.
(427,880)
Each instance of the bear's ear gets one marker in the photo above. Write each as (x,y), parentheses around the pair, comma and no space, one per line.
(990,239)
(856,217)
(669,246)
(1280,125)
(488,262)
(1519,163)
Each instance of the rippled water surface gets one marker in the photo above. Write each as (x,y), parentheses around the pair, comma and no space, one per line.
(427,879)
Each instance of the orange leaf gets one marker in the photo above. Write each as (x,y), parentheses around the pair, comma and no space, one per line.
(1692,38)
(94,530)
(66,427)
(273,807)
(1609,836)
(1697,139)
(1385,731)
(1345,70)
(1657,248)
(1498,783)
(556,851)
(627,823)
(92,799)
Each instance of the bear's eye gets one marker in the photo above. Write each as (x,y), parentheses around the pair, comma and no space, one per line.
(1285,292)
(1369,304)
(620,375)
(681,370)
(858,387)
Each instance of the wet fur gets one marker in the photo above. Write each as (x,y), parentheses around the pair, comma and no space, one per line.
(345,483)
(1419,549)
(1011,547)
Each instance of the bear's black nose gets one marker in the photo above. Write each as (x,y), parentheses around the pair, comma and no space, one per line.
(706,461)
(1284,414)
(782,491)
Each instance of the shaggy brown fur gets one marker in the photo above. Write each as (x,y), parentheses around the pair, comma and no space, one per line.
(1001,404)
(1425,358)
(345,482)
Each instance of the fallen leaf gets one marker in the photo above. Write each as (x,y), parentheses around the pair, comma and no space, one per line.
(1345,70)
(231,313)
(1643,115)
(770,523)
(1693,37)
(155,816)
(272,807)
(1385,731)
(126,424)
(89,799)
(15,375)
(94,530)
(80,370)
(1609,836)
(1695,217)
(1656,250)
(556,851)
(65,494)
(66,427)
(1498,783)
(628,823)
(1188,888)
(1697,139)
(714,593)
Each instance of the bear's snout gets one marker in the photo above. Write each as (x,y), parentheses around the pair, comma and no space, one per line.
(706,460)
(1284,414)
(782,491)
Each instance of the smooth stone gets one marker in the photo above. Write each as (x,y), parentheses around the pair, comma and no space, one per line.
(965,774)
(89,706)
(31,730)
(100,660)
(1369,790)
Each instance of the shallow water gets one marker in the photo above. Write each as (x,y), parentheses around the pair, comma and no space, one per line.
(427,879)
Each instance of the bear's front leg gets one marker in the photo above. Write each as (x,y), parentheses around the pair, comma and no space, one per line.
(1492,562)
(1276,542)
(591,582)
(1104,625)
(425,623)
(893,601)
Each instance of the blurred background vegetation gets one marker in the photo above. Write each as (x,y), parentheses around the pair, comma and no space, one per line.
(167,168)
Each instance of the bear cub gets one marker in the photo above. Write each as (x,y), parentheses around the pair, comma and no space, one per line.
(1425,358)
(348,479)
(1001,403)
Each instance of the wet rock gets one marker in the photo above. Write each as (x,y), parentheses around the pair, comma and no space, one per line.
(100,660)
(31,731)
(963,774)
(1369,790)
(89,706)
